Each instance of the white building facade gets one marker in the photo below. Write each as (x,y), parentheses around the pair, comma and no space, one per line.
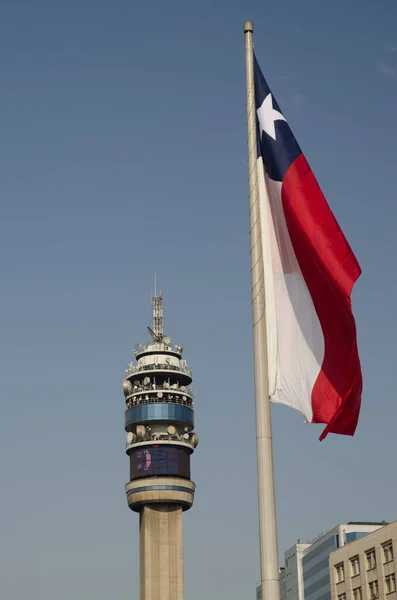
(294,571)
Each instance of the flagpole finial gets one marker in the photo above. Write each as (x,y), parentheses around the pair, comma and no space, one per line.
(248,27)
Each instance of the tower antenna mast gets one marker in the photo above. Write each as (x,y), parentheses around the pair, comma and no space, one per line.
(158,317)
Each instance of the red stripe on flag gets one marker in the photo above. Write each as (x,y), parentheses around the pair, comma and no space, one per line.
(330,270)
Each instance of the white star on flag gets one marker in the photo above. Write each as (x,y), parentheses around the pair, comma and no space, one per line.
(267,116)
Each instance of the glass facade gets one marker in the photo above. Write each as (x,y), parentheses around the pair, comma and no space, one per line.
(159,412)
(355,535)
(315,563)
(316,579)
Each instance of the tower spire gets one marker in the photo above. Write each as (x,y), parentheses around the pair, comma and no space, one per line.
(157,303)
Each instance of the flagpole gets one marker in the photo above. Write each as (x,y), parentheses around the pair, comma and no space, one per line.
(270,578)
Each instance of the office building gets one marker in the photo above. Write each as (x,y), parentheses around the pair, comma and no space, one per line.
(315,567)
(306,573)
(366,569)
(294,570)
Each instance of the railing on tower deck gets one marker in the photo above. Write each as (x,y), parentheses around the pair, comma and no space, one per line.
(166,437)
(160,346)
(132,369)
(155,387)
(171,398)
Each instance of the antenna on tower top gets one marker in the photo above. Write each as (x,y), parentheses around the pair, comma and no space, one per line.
(158,317)
(157,303)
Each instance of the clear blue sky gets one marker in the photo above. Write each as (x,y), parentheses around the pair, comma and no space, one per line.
(123,153)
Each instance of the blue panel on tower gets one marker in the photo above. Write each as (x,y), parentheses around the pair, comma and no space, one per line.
(159,412)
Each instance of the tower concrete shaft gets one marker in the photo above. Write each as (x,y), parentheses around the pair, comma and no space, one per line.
(159,420)
(161,550)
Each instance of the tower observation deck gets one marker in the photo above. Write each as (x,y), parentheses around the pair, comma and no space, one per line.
(159,421)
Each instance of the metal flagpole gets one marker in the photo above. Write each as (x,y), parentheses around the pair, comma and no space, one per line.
(270,577)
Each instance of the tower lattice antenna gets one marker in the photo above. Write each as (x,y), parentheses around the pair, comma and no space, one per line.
(158,317)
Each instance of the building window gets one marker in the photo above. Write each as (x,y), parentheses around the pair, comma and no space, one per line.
(388,551)
(371,559)
(390,583)
(357,594)
(355,565)
(373,590)
(340,572)
(342,597)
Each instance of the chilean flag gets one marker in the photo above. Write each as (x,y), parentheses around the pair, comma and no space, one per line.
(309,271)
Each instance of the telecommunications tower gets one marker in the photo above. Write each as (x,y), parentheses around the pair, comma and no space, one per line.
(159,421)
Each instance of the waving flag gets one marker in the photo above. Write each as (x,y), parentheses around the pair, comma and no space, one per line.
(309,271)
